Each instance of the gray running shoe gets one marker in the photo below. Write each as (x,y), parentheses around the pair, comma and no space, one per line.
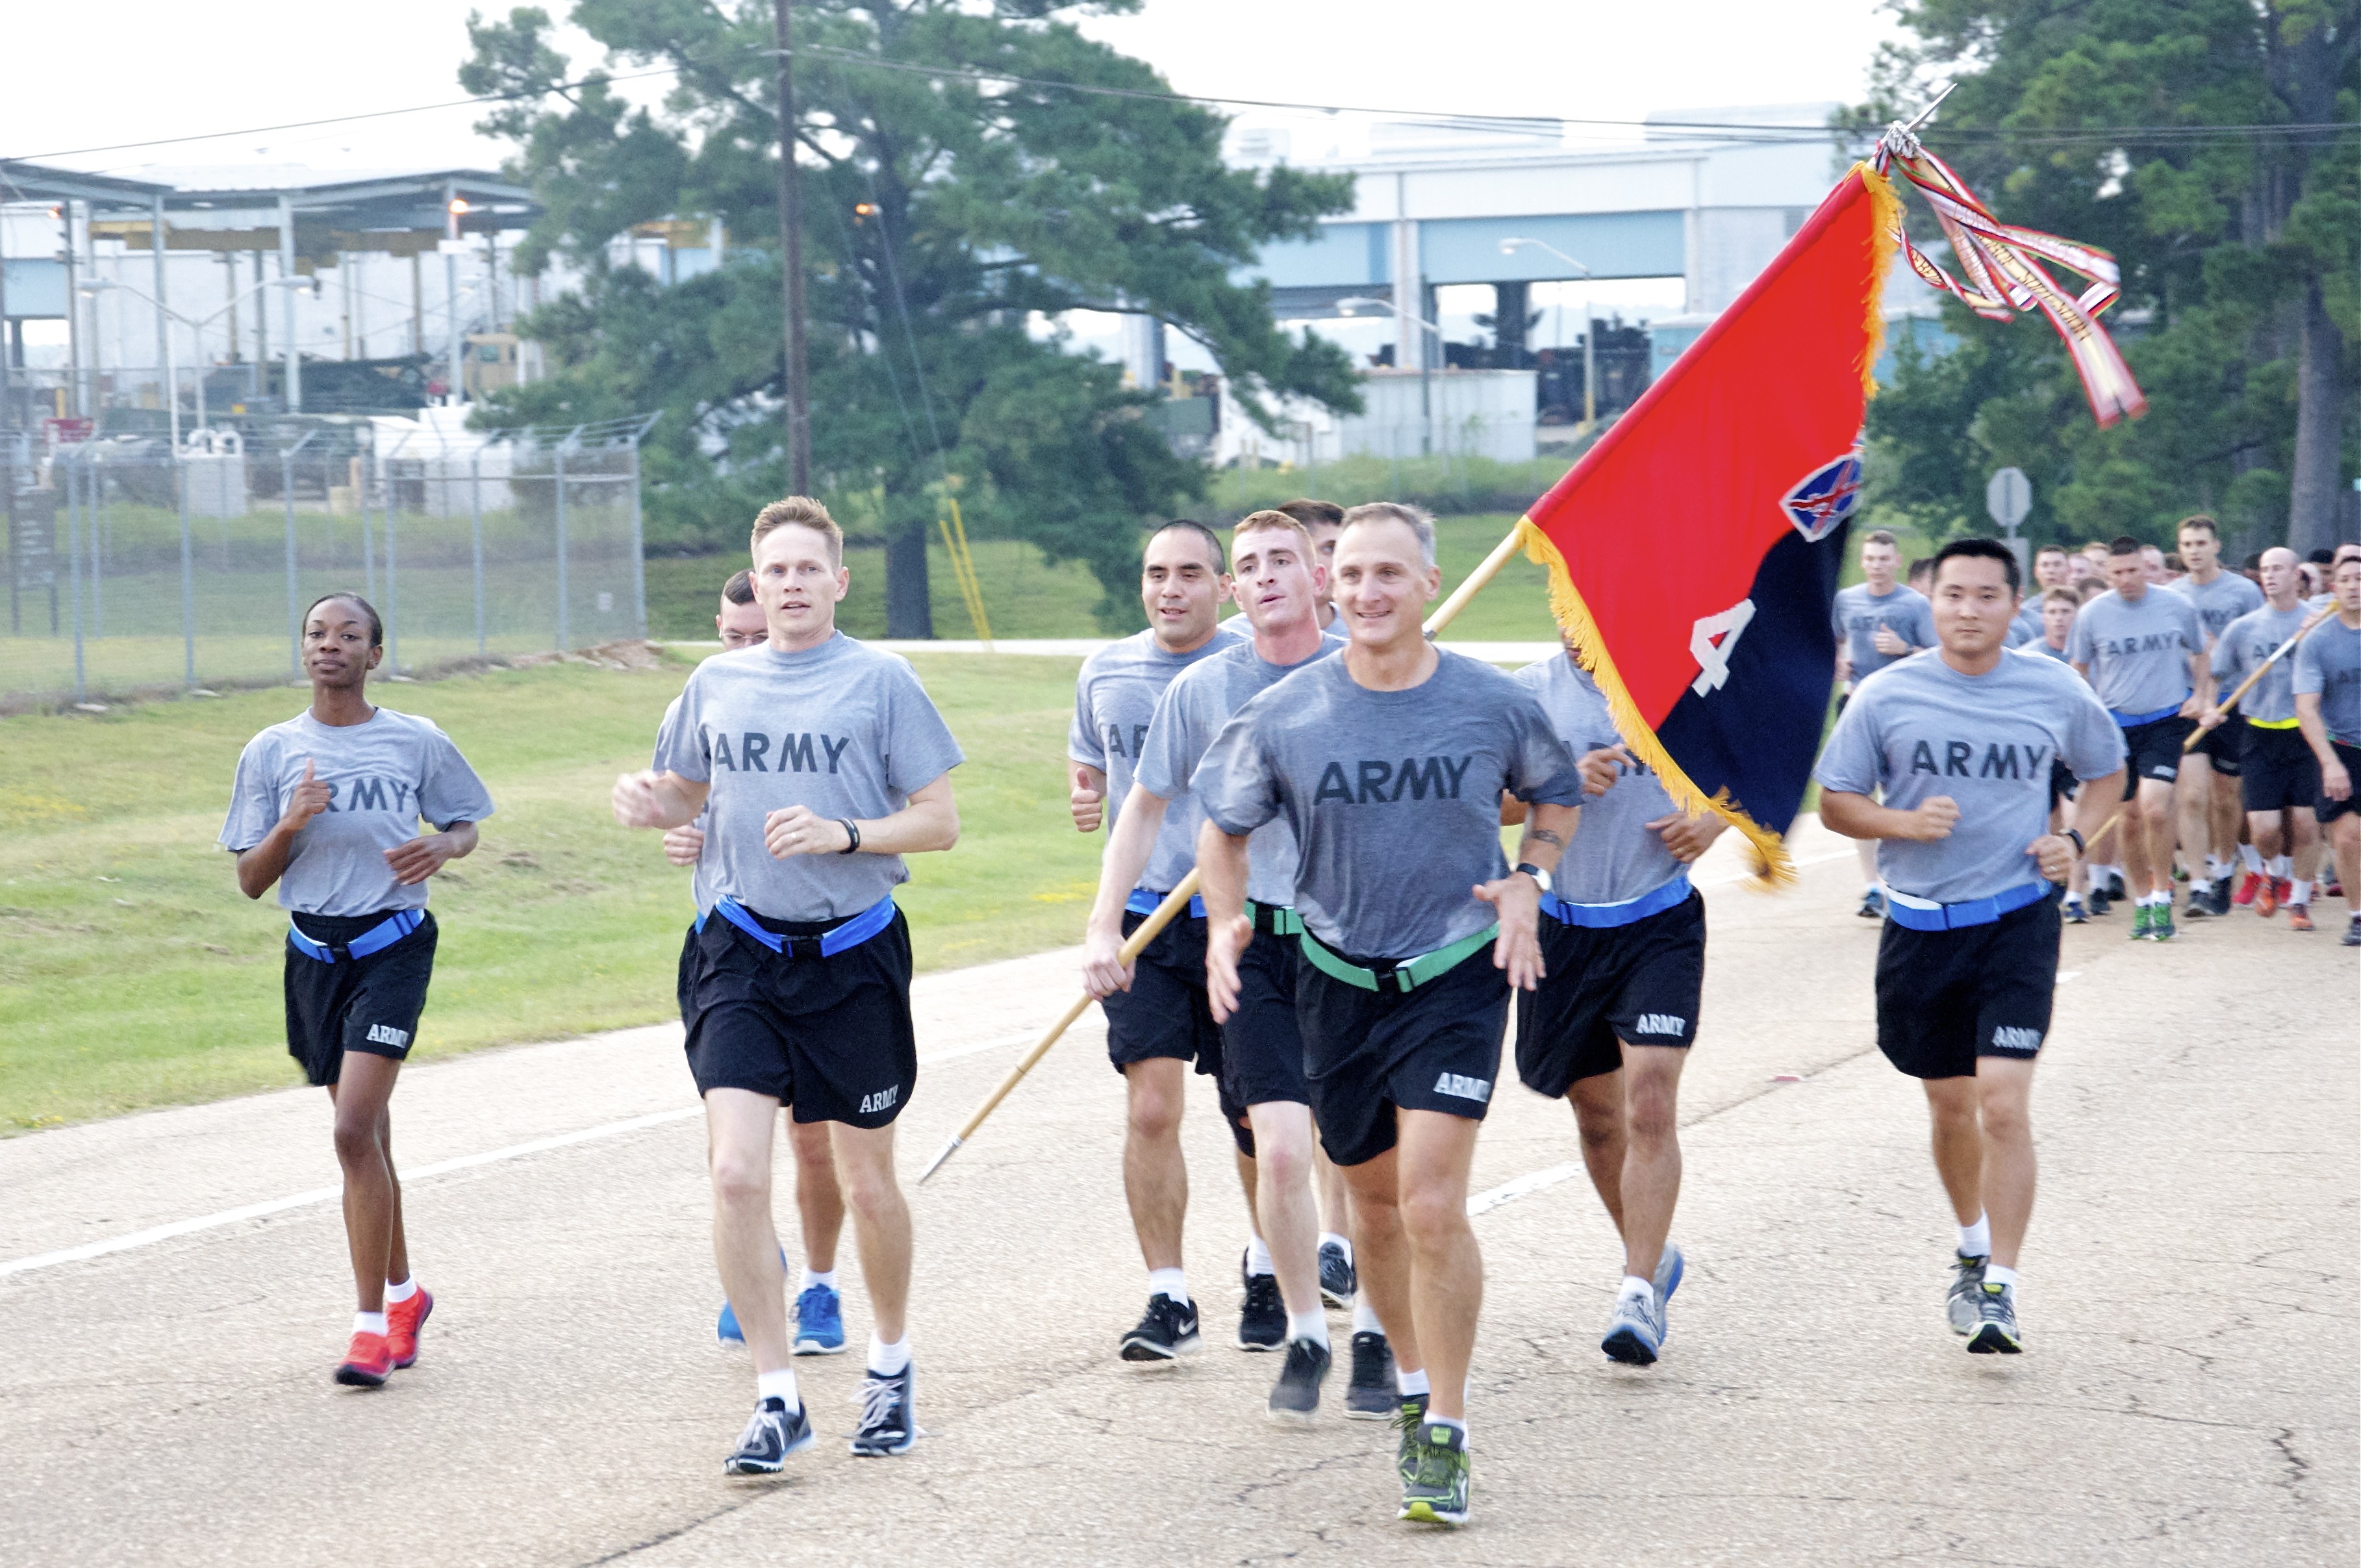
(1295,1397)
(1996,1331)
(1434,1484)
(1338,1280)
(1636,1332)
(1963,1305)
(1371,1395)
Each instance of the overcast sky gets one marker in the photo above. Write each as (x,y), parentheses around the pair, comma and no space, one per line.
(161,68)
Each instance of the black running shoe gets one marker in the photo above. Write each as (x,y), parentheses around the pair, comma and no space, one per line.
(1872,904)
(1295,1397)
(769,1438)
(2099,899)
(1372,1395)
(1964,1303)
(1996,1323)
(887,1425)
(1262,1323)
(1338,1280)
(2352,932)
(1167,1329)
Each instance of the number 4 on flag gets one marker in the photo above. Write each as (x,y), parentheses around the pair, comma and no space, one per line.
(1712,640)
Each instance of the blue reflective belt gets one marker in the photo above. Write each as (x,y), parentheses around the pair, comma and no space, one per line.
(1143,901)
(1601,916)
(1923,915)
(2134,721)
(852,934)
(376,940)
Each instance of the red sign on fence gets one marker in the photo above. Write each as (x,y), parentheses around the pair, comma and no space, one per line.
(66,431)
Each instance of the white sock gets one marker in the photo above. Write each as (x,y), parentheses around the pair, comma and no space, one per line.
(1635,1285)
(1328,1238)
(2298,892)
(1995,1275)
(1409,1382)
(2198,885)
(1311,1325)
(814,1276)
(2252,857)
(1975,1241)
(2154,900)
(2280,865)
(2216,868)
(1172,1282)
(889,1360)
(1365,1316)
(398,1291)
(1258,1256)
(779,1384)
(368,1323)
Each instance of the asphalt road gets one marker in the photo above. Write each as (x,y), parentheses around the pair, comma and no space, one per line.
(2188,1395)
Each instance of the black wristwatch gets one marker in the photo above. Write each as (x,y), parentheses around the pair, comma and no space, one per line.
(1534,872)
(851,832)
(2080,847)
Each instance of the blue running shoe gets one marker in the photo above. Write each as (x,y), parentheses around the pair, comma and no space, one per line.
(774,1433)
(726,1329)
(1670,1267)
(820,1323)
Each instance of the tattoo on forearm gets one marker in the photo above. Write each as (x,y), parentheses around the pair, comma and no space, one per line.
(1543,836)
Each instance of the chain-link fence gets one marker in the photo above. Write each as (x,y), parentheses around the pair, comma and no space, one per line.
(134,568)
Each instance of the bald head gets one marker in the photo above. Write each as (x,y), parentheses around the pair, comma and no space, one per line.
(2280,571)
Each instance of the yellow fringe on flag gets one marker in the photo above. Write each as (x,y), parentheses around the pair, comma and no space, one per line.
(1773,868)
(1885,225)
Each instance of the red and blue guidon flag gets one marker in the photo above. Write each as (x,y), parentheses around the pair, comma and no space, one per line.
(1693,552)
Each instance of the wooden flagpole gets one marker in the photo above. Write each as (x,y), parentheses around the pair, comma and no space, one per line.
(1177,899)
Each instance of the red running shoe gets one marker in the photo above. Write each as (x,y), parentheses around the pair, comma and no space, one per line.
(2249,886)
(2268,896)
(403,1321)
(368,1362)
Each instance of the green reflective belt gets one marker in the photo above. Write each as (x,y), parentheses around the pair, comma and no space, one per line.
(1276,919)
(1407,975)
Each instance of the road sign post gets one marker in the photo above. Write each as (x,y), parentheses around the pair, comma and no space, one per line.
(2008,496)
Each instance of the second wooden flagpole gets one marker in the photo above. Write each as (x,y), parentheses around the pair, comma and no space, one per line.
(1177,899)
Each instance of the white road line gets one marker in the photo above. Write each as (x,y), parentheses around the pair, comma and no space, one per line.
(1507,1192)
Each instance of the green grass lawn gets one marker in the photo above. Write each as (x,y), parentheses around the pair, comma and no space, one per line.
(133,974)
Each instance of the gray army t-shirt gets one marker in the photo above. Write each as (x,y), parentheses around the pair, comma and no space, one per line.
(1858,613)
(384,778)
(700,884)
(1200,700)
(1922,728)
(2243,647)
(2138,653)
(2329,662)
(844,729)
(1613,857)
(2229,596)
(1394,797)
(1114,700)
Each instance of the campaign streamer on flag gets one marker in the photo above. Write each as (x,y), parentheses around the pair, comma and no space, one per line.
(1693,552)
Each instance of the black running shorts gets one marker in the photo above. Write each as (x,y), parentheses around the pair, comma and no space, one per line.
(1262,1050)
(1944,998)
(831,1036)
(2062,784)
(1639,983)
(1368,1054)
(1165,1013)
(368,1004)
(2277,771)
(2153,751)
(2328,810)
(2223,745)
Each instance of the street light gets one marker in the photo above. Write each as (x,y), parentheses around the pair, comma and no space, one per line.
(172,386)
(1590,345)
(1351,302)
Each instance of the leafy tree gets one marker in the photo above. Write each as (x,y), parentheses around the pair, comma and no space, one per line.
(953,192)
(2240,245)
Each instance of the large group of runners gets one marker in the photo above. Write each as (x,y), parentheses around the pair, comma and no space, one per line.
(1346,976)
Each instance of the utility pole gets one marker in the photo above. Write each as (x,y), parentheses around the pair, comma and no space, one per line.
(791,258)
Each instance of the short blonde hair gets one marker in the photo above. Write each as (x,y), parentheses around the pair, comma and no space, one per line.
(1418,519)
(799,511)
(1273,521)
